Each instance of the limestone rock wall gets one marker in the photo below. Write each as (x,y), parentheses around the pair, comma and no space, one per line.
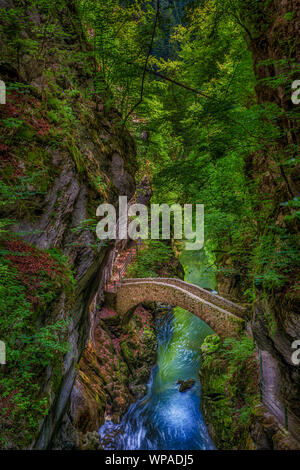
(68,154)
(112,373)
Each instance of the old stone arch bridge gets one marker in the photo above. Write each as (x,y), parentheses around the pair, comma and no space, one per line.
(223,316)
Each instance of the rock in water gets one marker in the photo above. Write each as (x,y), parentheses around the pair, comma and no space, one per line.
(185,384)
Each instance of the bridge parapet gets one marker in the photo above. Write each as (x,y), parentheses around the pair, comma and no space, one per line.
(135,291)
(205,294)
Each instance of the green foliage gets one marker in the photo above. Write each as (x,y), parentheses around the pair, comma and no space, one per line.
(31,350)
(150,259)
(201,139)
(200,144)
(210,344)
(120,37)
(230,389)
(238,351)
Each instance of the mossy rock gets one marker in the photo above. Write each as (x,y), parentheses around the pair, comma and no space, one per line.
(127,353)
(186,384)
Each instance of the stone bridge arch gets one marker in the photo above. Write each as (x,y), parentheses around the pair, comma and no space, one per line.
(223,316)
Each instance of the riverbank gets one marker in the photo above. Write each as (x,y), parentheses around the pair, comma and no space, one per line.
(113,371)
(116,363)
(230,399)
(165,418)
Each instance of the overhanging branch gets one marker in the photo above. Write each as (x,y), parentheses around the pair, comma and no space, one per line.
(146,63)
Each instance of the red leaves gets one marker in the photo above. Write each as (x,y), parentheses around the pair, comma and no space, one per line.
(26,258)
(107,313)
(13,105)
(26,108)
(5,153)
(7,158)
(42,127)
(7,404)
(3,148)
(31,263)
(11,110)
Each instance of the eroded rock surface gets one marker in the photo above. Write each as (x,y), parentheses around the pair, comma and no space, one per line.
(113,372)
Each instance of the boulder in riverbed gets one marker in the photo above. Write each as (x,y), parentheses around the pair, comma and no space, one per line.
(185,384)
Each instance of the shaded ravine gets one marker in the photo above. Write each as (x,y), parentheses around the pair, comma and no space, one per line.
(165,419)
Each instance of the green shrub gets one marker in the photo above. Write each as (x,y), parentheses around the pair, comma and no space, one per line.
(230,389)
(150,259)
(32,347)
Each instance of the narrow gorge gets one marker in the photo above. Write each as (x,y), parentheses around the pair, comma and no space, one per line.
(116,343)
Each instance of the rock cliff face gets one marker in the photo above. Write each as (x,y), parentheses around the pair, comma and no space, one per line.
(113,371)
(115,365)
(230,399)
(275,322)
(62,154)
(272,31)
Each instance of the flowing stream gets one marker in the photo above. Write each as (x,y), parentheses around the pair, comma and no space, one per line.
(166,419)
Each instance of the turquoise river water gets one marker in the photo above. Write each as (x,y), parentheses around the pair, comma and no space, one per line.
(166,419)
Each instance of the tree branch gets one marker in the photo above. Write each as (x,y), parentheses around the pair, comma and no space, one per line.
(164,77)
(146,63)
